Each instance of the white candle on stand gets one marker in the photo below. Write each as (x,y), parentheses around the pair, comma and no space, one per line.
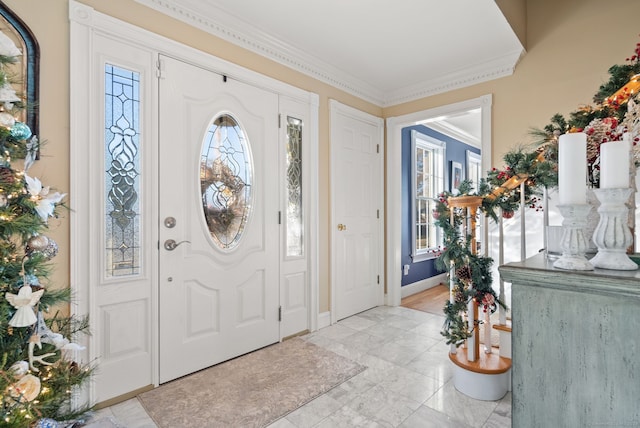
(572,168)
(614,164)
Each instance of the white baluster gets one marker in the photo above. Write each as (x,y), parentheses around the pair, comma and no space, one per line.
(487,332)
(502,314)
(471,341)
(452,273)
(523,236)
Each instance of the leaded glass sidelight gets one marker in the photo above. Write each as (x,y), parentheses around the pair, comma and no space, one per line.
(294,188)
(226,181)
(122,167)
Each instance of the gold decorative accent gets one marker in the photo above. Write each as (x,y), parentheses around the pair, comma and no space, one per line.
(623,94)
(515,181)
(510,184)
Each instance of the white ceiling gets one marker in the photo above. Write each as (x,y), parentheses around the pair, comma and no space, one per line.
(384,52)
(465,126)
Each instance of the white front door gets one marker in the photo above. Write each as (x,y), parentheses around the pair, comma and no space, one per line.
(175,311)
(356,185)
(218,184)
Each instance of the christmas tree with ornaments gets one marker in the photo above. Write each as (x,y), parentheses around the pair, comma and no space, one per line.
(38,374)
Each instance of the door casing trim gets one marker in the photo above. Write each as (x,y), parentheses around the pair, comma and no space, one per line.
(394,183)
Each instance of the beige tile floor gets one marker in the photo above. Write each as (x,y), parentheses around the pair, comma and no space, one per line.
(407,382)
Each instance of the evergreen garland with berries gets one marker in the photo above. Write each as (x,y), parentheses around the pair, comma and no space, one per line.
(472,279)
(617,111)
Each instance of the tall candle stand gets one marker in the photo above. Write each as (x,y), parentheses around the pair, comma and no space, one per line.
(573,242)
(612,235)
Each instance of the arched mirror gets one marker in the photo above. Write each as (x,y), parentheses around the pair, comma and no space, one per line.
(25,72)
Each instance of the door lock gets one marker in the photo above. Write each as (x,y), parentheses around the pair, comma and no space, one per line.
(169,222)
(342,227)
(171,244)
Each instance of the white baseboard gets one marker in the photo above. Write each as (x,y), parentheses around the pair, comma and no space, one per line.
(422,285)
(324,319)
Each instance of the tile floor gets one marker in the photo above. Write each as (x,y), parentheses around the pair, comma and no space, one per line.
(407,382)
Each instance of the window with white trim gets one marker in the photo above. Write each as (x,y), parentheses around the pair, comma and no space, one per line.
(474,169)
(427,172)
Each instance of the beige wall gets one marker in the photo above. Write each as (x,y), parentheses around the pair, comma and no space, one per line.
(48,22)
(515,11)
(571,44)
(48,19)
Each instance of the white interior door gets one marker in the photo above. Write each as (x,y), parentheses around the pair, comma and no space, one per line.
(356,187)
(219,279)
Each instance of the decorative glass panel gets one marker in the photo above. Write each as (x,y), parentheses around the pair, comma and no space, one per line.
(294,187)
(122,163)
(226,181)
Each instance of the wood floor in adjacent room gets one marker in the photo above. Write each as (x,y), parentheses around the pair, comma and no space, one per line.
(431,300)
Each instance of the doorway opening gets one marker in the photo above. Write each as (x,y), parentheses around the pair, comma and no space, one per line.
(455,122)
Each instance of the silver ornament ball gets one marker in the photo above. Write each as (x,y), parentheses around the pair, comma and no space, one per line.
(37,243)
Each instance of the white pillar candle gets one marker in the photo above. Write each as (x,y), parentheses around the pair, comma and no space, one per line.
(572,168)
(614,164)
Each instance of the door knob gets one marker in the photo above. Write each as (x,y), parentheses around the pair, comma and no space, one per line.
(171,244)
(342,227)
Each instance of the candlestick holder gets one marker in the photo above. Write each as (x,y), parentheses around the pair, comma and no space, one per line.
(613,235)
(573,242)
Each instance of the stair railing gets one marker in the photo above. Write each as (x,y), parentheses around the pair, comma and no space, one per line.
(469,206)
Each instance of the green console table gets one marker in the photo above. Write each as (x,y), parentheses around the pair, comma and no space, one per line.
(575,346)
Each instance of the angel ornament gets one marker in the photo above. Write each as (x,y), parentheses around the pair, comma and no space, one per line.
(24,302)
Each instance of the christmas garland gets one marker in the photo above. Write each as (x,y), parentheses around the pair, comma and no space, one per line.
(499,193)
(472,277)
(532,168)
(617,111)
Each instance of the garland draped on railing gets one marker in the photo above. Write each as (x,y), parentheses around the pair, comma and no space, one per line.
(500,192)
(616,111)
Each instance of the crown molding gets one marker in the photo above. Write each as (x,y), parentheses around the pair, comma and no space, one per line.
(472,75)
(454,132)
(233,30)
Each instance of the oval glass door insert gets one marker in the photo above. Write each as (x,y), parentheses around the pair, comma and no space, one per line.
(226,181)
